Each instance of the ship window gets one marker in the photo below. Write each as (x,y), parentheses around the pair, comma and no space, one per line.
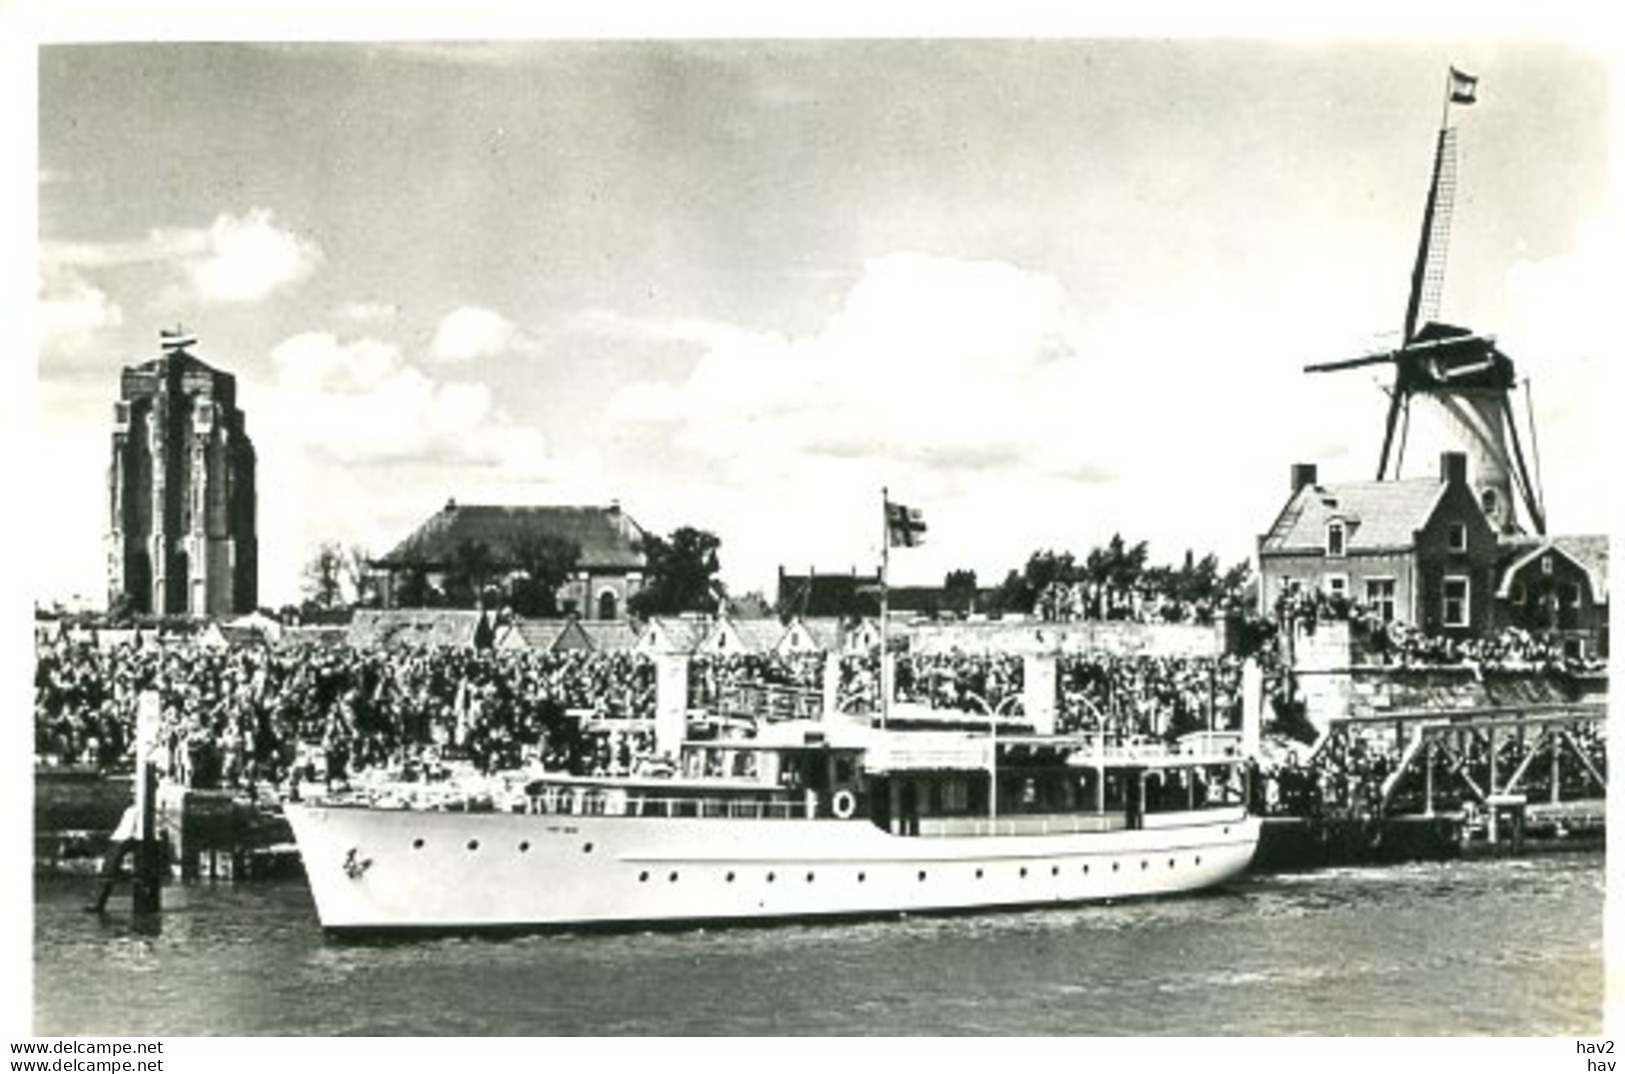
(1198,859)
(809,878)
(586,848)
(524,848)
(1024,872)
(922,874)
(417,844)
(473,844)
(1170,863)
(730,877)
(1086,869)
(673,877)
(1144,864)
(1114,866)
(643,876)
(770,878)
(978,874)
(1055,870)
(862,877)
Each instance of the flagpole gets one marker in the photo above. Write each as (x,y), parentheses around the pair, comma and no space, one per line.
(885,563)
(1449,91)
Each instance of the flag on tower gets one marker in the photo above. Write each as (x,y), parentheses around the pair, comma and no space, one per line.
(905,526)
(1463,87)
(174,341)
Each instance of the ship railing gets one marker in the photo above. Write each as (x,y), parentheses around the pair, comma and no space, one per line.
(617,803)
(1017,824)
(769,702)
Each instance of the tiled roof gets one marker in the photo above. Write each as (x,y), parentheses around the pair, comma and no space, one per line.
(758,635)
(1380,515)
(607,536)
(1589,551)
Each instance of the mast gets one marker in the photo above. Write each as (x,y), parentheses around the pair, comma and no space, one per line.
(885,648)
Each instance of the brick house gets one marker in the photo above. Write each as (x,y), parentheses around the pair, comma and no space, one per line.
(1420,551)
(1558,588)
(610,569)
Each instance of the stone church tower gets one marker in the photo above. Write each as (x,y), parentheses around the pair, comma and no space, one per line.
(181,533)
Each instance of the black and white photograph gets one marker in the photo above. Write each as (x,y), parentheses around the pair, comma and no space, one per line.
(901,531)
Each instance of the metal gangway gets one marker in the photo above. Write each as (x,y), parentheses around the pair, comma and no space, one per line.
(1490,756)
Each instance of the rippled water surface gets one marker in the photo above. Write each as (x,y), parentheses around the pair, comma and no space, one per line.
(1484,947)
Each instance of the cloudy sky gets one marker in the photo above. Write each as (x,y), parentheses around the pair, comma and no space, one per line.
(1044,290)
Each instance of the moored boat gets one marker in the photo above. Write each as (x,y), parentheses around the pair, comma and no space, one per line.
(807,819)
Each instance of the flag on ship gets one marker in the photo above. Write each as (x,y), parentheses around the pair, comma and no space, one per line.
(1463,87)
(178,339)
(905,526)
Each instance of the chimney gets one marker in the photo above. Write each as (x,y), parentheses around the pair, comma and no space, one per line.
(1303,475)
(451,504)
(1453,468)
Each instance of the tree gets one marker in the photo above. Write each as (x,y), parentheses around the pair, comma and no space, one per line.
(324,577)
(472,568)
(680,575)
(545,560)
(959,589)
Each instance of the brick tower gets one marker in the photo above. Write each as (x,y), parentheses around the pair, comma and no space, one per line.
(181,537)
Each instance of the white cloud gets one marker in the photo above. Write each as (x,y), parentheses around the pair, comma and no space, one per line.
(361,402)
(248,258)
(472,332)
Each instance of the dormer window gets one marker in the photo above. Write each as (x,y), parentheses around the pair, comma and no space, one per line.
(1458,536)
(1335,536)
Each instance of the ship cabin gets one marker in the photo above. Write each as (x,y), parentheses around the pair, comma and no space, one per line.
(923,783)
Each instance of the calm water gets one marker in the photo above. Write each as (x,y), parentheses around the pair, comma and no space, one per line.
(1484,948)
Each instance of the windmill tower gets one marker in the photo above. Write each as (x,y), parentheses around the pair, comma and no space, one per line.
(1464,376)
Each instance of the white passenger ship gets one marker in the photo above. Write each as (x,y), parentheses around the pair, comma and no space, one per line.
(808,819)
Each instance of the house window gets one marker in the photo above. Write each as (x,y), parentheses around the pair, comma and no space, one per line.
(1490,501)
(1334,538)
(1379,594)
(1458,536)
(1455,610)
(606,604)
(1546,564)
(1337,586)
(1517,595)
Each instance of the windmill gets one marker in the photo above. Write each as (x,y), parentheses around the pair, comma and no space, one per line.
(1465,375)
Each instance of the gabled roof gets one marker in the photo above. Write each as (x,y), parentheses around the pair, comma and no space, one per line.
(1589,552)
(815,595)
(673,634)
(749,635)
(1381,515)
(607,536)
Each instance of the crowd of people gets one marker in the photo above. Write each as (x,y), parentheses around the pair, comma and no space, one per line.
(261,719)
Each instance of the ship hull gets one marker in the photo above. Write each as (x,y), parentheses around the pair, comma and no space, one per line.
(380,871)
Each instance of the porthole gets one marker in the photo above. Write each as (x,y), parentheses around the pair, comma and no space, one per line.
(809,878)
(1170,863)
(1227,829)
(1055,870)
(586,848)
(1144,864)
(473,844)
(524,847)
(673,877)
(1086,869)
(1023,872)
(770,878)
(417,844)
(1198,859)
(922,874)
(862,877)
(730,876)
(978,874)
(1115,866)
(643,877)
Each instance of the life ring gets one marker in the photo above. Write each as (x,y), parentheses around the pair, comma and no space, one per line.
(844,804)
